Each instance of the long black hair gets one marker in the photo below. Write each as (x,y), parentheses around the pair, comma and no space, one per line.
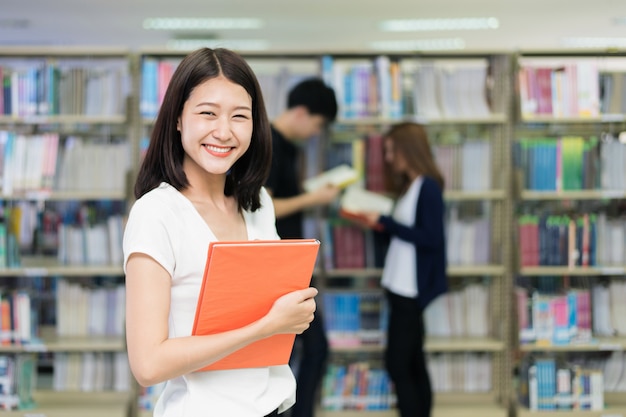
(163,161)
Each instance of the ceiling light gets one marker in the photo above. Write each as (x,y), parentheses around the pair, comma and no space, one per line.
(180,23)
(235,44)
(620,21)
(420,45)
(412,25)
(597,42)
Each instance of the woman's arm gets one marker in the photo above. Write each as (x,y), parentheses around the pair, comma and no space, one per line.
(155,358)
(430,233)
(285,206)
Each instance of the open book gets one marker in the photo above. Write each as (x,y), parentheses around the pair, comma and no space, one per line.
(240,284)
(357,200)
(340,176)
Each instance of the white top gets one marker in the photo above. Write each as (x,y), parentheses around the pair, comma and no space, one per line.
(165,225)
(400,272)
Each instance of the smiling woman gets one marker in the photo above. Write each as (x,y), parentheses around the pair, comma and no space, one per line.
(217,121)
(201,181)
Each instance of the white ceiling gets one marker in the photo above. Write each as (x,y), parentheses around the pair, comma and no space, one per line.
(309,26)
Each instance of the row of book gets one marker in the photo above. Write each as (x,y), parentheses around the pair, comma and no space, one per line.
(85,309)
(155,77)
(468,236)
(17,381)
(156,73)
(460,372)
(359,318)
(571,163)
(571,316)
(556,386)
(570,88)
(18,324)
(362,385)
(355,319)
(448,88)
(350,246)
(379,87)
(358,385)
(609,308)
(388,88)
(64,87)
(465,166)
(96,244)
(73,232)
(571,382)
(91,371)
(79,309)
(365,87)
(347,246)
(554,319)
(47,162)
(613,97)
(461,312)
(581,239)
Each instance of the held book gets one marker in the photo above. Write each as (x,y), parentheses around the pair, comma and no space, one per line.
(357,200)
(241,281)
(340,176)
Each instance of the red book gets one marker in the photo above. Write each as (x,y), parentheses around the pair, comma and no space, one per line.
(240,284)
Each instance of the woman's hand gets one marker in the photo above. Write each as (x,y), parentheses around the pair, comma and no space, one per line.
(325,195)
(292,313)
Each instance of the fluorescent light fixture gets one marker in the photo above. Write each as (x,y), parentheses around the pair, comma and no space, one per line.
(420,45)
(415,25)
(181,23)
(620,21)
(596,42)
(235,44)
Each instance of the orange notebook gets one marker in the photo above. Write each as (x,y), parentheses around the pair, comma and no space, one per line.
(241,282)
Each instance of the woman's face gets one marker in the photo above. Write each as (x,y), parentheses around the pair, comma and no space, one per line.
(216,125)
(395,160)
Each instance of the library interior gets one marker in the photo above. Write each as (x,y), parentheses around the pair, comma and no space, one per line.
(523,106)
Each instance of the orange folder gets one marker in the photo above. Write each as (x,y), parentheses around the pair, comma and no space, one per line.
(240,284)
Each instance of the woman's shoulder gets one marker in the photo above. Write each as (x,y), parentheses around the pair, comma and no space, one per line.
(430,188)
(430,183)
(161,198)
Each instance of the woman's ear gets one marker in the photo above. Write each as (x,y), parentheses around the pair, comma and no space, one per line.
(178,124)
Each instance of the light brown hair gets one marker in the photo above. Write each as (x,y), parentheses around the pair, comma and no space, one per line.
(411,141)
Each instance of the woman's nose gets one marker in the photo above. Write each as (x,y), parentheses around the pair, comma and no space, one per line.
(222,128)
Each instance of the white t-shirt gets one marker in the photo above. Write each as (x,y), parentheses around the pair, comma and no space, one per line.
(165,225)
(400,272)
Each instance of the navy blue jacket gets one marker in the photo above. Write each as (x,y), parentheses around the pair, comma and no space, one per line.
(428,236)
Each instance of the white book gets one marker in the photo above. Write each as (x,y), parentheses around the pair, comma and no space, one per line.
(88,370)
(121,379)
(97,311)
(339,176)
(357,199)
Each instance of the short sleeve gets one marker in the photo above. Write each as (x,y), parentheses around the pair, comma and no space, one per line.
(148,231)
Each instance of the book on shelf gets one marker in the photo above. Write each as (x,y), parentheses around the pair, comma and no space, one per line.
(460,372)
(339,176)
(240,270)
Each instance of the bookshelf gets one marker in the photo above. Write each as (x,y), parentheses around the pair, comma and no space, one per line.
(465,124)
(479,119)
(65,151)
(569,183)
